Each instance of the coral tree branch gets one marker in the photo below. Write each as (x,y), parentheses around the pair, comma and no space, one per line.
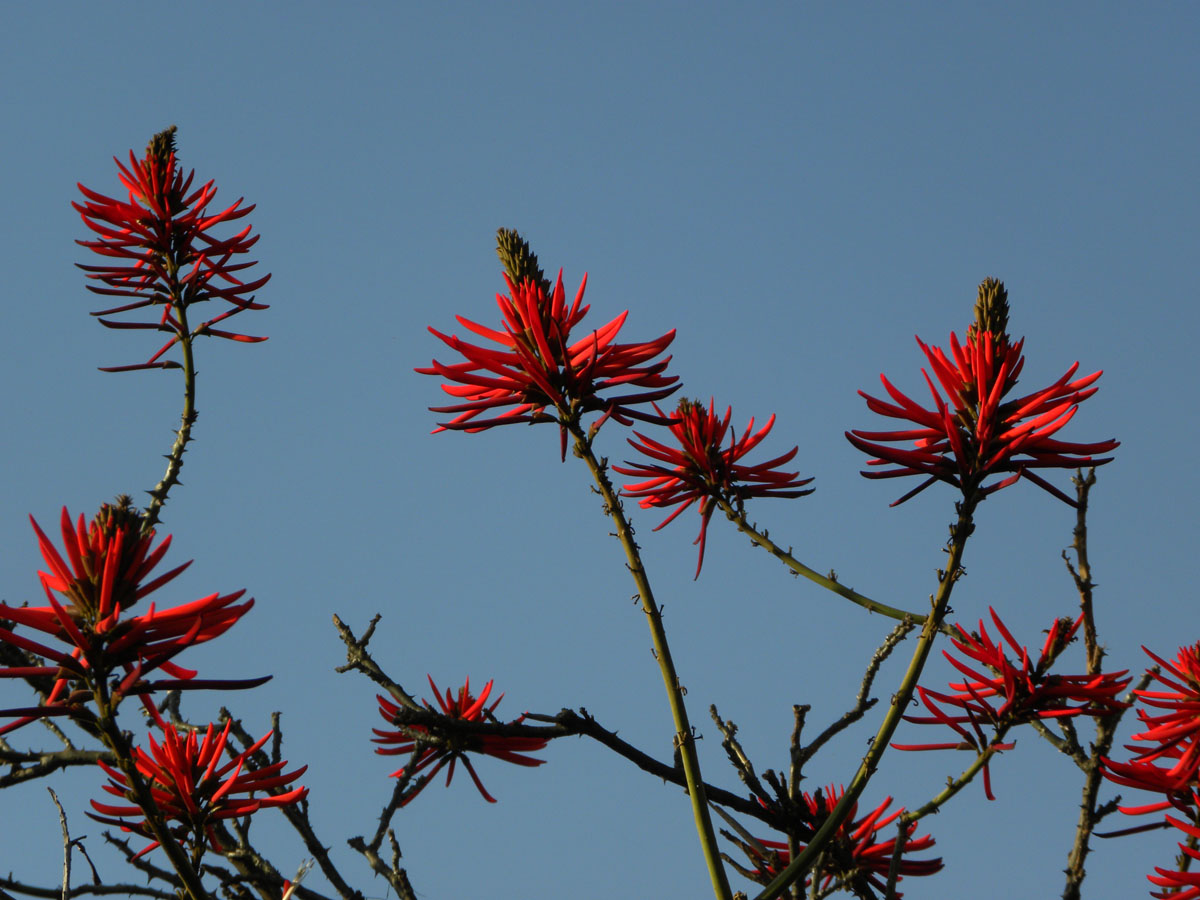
(960,531)
(685,740)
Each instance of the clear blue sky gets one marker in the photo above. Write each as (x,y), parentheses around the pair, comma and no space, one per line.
(799,189)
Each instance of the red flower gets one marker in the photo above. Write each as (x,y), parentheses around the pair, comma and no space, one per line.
(163,251)
(976,432)
(537,366)
(701,469)
(1177,729)
(439,749)
(1025,691)
(192,789)
(1175,735)
(1175,880)
(859,857)
(103,576)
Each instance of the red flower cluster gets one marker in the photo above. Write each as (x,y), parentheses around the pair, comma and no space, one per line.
(537,366)
(103,575)
(1180,885)
(1175,735)
(453,746)
(976,432)
(1025,691)
(700,468)
(163,249)
(193,790)
(860,858)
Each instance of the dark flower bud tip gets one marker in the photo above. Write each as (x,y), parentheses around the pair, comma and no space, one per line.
(519,261)
(162,145)
(991,308)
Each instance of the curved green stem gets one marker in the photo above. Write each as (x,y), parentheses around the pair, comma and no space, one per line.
(685,741)
(159,493)
(800,864)
(967,776)
(761,539)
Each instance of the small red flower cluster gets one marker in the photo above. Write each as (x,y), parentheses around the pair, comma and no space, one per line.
(1025,690)
(464,707)
(859,858)
(164,251)
(1175,735)
(192,789)
(976,432)
(537,366)
(103,575)
(700,468)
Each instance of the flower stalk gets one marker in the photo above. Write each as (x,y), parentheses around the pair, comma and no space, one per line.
(763,540)
(685,741)
(187,418)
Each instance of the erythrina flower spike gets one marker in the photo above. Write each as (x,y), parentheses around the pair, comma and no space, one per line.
(975,432)
(163,250)
(1178,728)
(859,857)
(1171,766)
(538,366)
(1001,694)
(105,573)
(439,748)
(701,468)
(193,790)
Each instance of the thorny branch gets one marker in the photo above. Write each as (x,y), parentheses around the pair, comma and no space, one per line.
(1106,726)
(863,702)
(359,660)
(582,723)
(83,890)
(737,756)
(34,764)
(296,815)
(829,582)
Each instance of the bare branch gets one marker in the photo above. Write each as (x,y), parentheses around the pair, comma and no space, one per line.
(862,703)
(62,821)
(296,815)
(358,659)
(46,762)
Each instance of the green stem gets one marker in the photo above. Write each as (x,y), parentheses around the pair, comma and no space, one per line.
(967,776)
(959,533)
(761,539)
(188,417)
(685,741)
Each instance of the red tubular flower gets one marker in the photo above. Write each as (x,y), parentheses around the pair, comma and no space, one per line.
(1177,729)
(1175,735)
(452,746)
(1025,691)
(193,790)
(163,250)
(700,468)
(537,366)
(976,432)
(1173,880)
(859,858)
(103,575)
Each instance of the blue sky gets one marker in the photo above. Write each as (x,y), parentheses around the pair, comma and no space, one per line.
(798,189)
